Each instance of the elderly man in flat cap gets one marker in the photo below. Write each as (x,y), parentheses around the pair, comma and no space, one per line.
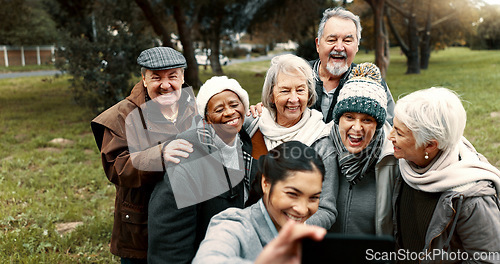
(136,138)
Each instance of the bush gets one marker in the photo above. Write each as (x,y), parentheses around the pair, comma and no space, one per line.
(101,70)
(236,52)
(100,49)
(307,49)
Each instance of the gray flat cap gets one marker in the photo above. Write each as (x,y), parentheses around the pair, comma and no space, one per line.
(161,58)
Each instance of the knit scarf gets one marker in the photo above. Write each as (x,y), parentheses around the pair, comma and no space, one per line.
(355,166)
(456,167)
(309,128)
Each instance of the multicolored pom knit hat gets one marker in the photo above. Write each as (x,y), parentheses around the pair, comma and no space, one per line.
(363,93)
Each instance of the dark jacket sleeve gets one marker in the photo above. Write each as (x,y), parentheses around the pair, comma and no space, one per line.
(172,231)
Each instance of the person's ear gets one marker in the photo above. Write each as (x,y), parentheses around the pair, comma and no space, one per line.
(207,118)
(266,185)
(432,146)
(317,44)
(144,81)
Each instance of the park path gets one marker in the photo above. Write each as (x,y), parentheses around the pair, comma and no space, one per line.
(54,72)
(28,74)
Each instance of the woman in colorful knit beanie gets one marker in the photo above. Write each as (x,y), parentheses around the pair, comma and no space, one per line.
(366,165)
(447,200)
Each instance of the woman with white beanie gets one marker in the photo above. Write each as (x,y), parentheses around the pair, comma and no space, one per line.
(215,176)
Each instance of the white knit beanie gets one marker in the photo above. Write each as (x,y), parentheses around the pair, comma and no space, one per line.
(216,85)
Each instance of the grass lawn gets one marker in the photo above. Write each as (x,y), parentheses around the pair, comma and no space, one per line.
(45,184)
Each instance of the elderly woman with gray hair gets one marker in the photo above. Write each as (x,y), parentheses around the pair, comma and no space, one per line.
(447,200)
(287,93)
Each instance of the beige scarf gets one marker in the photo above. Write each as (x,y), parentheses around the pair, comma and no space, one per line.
(309,128)
(455,168)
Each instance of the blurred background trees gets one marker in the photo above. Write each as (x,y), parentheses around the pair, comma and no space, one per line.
(99,40)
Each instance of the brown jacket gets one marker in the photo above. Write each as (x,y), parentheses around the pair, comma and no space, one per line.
(134,182)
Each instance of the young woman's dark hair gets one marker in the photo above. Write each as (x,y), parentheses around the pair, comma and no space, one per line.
(281,161)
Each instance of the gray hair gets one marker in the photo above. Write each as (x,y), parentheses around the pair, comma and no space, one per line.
(287,64)
(435,113)
(340,12)
(144,69)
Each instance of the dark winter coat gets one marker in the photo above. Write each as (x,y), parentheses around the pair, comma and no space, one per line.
(175,233)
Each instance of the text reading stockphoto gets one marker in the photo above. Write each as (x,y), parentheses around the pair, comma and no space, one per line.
(431,255)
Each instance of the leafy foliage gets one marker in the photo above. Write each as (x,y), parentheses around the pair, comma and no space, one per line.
(488,29)
(25,22)
(100,49)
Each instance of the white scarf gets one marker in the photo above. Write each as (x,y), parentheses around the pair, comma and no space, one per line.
(451,172)
(309,128)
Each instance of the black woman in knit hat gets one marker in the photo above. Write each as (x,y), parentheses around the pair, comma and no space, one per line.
(366,164)
(136,137)
(215,176)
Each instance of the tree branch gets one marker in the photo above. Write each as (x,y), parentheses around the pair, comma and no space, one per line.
(397,8)
(155,22)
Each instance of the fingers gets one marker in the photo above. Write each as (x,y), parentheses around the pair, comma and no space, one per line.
(182,144)
(286,247)
(258,107)
(177,148)
(293,232)
(255,110)
(252,111)
(171,159)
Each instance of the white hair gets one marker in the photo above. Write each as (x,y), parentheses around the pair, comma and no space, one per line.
(434,113)
(340,12)
(287,64)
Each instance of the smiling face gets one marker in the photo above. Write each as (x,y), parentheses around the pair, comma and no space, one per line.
(290,96)
(338,45)
(405,144)
(296,197)
(225,112)
(356,130)
(164,86)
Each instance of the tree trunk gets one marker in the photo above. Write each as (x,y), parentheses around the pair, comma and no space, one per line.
(191,74)
(155,22)
(402,44)
(214,39)
(413,62)
(425,45)
(381,39)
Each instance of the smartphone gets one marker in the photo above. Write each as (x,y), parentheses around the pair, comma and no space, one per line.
(352,249)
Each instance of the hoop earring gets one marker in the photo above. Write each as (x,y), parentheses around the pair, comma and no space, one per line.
(426,155)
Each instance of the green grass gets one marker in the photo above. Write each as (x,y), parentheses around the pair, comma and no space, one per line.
(44,184)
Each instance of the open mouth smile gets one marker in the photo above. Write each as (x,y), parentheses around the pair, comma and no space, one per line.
(166,92)
(233,122)
(294,218)
(338,55)
(293,108)
(355,139)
